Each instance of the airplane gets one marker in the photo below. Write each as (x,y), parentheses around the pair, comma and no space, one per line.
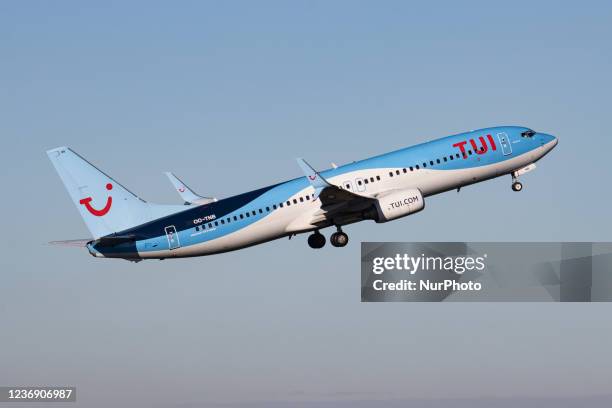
(381,188)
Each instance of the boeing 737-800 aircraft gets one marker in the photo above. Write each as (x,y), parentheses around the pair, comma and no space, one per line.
(382,188)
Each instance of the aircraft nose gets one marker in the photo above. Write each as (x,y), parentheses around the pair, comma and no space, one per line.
(545,139)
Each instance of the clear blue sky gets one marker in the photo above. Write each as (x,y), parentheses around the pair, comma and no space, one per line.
(226,94)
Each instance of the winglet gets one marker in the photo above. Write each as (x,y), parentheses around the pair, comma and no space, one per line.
(314,178)
(186,193)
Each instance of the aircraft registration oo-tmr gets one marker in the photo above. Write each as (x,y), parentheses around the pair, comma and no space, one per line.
(381,188)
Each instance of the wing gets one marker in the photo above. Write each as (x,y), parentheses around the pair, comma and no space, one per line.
(338,205)
(186,193)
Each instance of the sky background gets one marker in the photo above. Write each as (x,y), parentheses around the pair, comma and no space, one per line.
(227,94)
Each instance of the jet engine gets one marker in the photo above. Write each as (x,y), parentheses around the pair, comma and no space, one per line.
(396,204)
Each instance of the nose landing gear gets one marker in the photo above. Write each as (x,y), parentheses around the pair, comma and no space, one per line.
(516,185)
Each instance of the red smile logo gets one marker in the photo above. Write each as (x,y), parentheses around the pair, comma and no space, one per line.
(312,177)
(181,189)
(98,213)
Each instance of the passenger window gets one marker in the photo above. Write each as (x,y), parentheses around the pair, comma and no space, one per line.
(247,214)
(405,171)
(424,165)
(216,223)
(390,174)
(260,211)
(397,172)
(444,158)
(229,219)
(301,199)
(378,178)
(280,205)
(307,197)
(470,152)
(371,179)
(457,155)
(417,167)
(241,216)
(431,162)
(288,203)
(235,218)
(294,201)
(411,168)
(438,161)
(365,181)
(268,209)
(210,225)
(274,206)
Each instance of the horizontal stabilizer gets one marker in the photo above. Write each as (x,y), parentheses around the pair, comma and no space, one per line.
(186,193)
(72,242)
(107,241)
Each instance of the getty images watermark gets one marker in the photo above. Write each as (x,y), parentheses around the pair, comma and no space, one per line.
(414,264)
(486,271)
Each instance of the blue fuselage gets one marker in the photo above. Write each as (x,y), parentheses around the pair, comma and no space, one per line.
(289,207)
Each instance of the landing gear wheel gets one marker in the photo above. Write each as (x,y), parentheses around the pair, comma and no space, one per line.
(517,186)
(316,240)
(339,239)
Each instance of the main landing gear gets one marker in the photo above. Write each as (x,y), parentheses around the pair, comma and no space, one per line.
(316,240)
(516,185)
(338,239)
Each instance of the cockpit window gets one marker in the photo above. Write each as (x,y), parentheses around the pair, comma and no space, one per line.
(528,133)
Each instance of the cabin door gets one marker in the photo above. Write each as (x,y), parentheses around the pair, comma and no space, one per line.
(505,143)
(173,239)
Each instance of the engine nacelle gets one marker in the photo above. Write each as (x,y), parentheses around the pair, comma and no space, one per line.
(398,203)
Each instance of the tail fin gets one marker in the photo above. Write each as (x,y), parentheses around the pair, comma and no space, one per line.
(105,205)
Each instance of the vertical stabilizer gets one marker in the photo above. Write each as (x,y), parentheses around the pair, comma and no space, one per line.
(105,205)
